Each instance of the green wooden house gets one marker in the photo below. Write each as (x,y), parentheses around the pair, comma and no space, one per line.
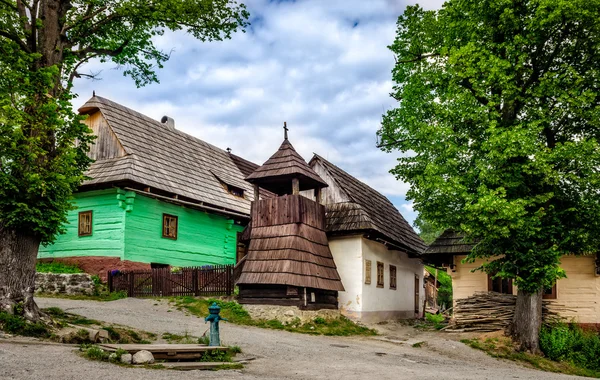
(154,195)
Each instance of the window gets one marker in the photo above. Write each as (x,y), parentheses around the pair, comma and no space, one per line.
(85,223)
(500,285)
(392,277)
(368,272)
(169,226)
(550,293)
(380,274)
(234,190)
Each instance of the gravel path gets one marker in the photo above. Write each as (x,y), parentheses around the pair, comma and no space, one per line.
(280,355)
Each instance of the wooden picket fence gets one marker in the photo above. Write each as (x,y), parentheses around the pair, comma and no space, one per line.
(214,280)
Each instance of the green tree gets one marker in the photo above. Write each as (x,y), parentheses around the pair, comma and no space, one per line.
(498,113)
(427,231)
(43,144)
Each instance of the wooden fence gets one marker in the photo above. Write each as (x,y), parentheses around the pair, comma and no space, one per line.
(214,280)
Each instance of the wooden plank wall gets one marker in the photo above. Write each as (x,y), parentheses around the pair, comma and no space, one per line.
(288,209)
(106,144)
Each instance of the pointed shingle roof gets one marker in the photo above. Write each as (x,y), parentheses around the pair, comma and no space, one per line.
(277,172)
(367,210)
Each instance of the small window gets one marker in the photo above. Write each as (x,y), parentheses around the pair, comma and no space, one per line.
(500,285)
(368,272)
(380,281)
(238,192)
(392,277)
(550,293)
(85,223)
(169,226)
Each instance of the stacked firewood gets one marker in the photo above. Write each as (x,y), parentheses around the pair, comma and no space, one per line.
(490,311)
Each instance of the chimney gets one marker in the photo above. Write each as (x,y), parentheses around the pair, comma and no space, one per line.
(168,122)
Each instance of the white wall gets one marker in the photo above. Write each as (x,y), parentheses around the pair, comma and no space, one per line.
(347,254)
(385,303)
(368,302)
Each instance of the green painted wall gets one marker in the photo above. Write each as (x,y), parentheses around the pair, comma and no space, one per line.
(107,228)
(202,239)
(129,226)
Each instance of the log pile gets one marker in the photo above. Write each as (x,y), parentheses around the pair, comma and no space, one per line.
(490,311)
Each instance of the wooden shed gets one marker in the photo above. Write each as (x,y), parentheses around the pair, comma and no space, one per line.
(288,261)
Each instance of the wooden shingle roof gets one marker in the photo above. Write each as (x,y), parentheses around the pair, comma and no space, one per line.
(289,246)
(367,210)
(450,242)
(277,172)
(164,158)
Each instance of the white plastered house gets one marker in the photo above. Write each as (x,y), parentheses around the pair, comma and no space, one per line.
(376,251)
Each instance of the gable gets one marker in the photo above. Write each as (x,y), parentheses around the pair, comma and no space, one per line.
(106,145)
(333,193)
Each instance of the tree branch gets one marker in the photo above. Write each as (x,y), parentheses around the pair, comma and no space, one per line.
(419,57)
(465,83)
(16,39)
(97,52)
(10,4)
(87,16)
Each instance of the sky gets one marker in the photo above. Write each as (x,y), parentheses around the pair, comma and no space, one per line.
(322,66)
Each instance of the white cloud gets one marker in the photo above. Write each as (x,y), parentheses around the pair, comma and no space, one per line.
(323,67)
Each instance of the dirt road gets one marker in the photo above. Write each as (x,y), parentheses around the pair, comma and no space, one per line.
(280,355)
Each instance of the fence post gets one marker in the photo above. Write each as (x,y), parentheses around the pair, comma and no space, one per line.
(131,278)
(195,281)
(229,280)
(110,281)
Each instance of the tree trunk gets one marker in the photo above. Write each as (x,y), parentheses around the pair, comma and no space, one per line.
(18,255)
(527,321)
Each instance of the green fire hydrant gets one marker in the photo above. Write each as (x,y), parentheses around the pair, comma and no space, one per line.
(214,319)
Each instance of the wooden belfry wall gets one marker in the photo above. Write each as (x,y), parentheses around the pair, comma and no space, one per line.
(288,209)
(289,261)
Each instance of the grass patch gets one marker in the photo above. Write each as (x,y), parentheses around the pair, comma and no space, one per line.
(17,325)
(116,333)
(229,366)
(418,344)
(99,295)
(431,322)
(56,267)
(235,313)
(503,348)
(181,339)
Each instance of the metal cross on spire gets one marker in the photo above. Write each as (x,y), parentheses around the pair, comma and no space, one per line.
(285,130)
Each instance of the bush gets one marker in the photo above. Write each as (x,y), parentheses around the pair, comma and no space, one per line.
(562,342)
(437,320)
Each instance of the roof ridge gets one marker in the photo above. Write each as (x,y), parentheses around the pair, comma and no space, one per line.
(148,118)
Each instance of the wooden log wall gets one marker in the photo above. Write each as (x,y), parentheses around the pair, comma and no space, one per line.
(288,209)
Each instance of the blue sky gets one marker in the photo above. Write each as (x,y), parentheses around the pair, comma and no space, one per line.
(322,66)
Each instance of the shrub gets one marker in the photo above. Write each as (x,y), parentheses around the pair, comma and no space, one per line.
(562,342)
(94,353)
(436,319)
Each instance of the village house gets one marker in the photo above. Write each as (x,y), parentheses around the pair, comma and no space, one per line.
(155,195)
(577,296)
(377,253)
